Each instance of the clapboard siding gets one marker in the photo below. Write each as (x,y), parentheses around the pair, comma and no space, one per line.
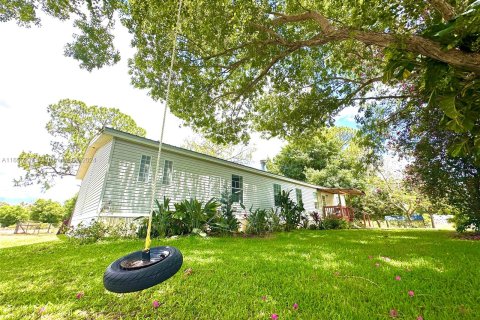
(197,178)
(90,194)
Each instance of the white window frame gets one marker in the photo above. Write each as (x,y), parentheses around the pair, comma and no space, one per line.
(167,176)
(237,190)
(315,200)
(275,201)
(144,170)
(299,195)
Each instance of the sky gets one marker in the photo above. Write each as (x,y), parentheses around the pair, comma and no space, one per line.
(34,73)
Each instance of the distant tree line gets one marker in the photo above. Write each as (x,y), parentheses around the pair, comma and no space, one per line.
(42,210)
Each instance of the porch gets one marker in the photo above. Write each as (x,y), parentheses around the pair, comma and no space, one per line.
(342,212)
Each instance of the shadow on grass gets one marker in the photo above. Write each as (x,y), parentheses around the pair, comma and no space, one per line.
(345,274)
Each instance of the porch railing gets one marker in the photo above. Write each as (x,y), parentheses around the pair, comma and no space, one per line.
(339,211)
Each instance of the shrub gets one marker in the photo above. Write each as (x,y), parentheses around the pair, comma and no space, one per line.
(99,230)
(317,220)
(10,215)
(334,223)
(227,222)
(464,222)
(163,224)
(189,216)
(121,230)
(257,221)
(195,216)
(290,212)
(84,234)
(304,221)
(273,221)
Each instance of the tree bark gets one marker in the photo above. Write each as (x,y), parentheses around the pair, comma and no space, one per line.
(432,221)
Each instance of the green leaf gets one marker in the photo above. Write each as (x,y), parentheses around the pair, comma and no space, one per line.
(447,104)
(454,125)
(457,148)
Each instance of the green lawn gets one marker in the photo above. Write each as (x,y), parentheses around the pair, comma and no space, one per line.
(15,240)
(329,274)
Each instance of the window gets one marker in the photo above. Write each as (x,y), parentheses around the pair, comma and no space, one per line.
(167,172)
(237,188)
(144,172)
(315,200)
(277,191)
(298,193)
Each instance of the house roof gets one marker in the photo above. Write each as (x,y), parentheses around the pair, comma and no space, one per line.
(351,191)
(107,134)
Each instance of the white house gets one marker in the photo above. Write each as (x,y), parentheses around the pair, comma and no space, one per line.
(117,169)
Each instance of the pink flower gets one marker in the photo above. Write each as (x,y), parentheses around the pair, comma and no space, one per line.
(377,264)
(419,318)
(156,304)
(274,316)
(411,293)
(393,313)
(295,306)
(337,273)
(41,310)
(79,295)
(398,278)
(264,298)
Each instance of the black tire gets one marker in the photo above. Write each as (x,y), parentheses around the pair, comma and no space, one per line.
(119,280)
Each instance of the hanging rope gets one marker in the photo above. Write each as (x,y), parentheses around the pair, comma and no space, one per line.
(167,97)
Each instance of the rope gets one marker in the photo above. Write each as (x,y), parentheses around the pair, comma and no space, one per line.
(148,241)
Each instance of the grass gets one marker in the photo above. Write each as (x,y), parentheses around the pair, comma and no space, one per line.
(14,240)
(328,273)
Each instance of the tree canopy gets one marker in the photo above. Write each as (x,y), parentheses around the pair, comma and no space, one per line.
(72,126)
(47,211)
(69,206)
(12,214)
(330,158)
(236,153)
(284,67)
(454,180)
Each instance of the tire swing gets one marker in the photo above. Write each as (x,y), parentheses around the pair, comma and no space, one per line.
(148,267)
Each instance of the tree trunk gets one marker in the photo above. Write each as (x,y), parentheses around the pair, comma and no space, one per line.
(432,220)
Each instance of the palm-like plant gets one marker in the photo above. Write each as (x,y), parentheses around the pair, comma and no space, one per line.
(195,216)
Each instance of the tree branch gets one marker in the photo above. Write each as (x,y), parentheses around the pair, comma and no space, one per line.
(361,87)
(412,43)
(382,97)
(445,9)
(321,20)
